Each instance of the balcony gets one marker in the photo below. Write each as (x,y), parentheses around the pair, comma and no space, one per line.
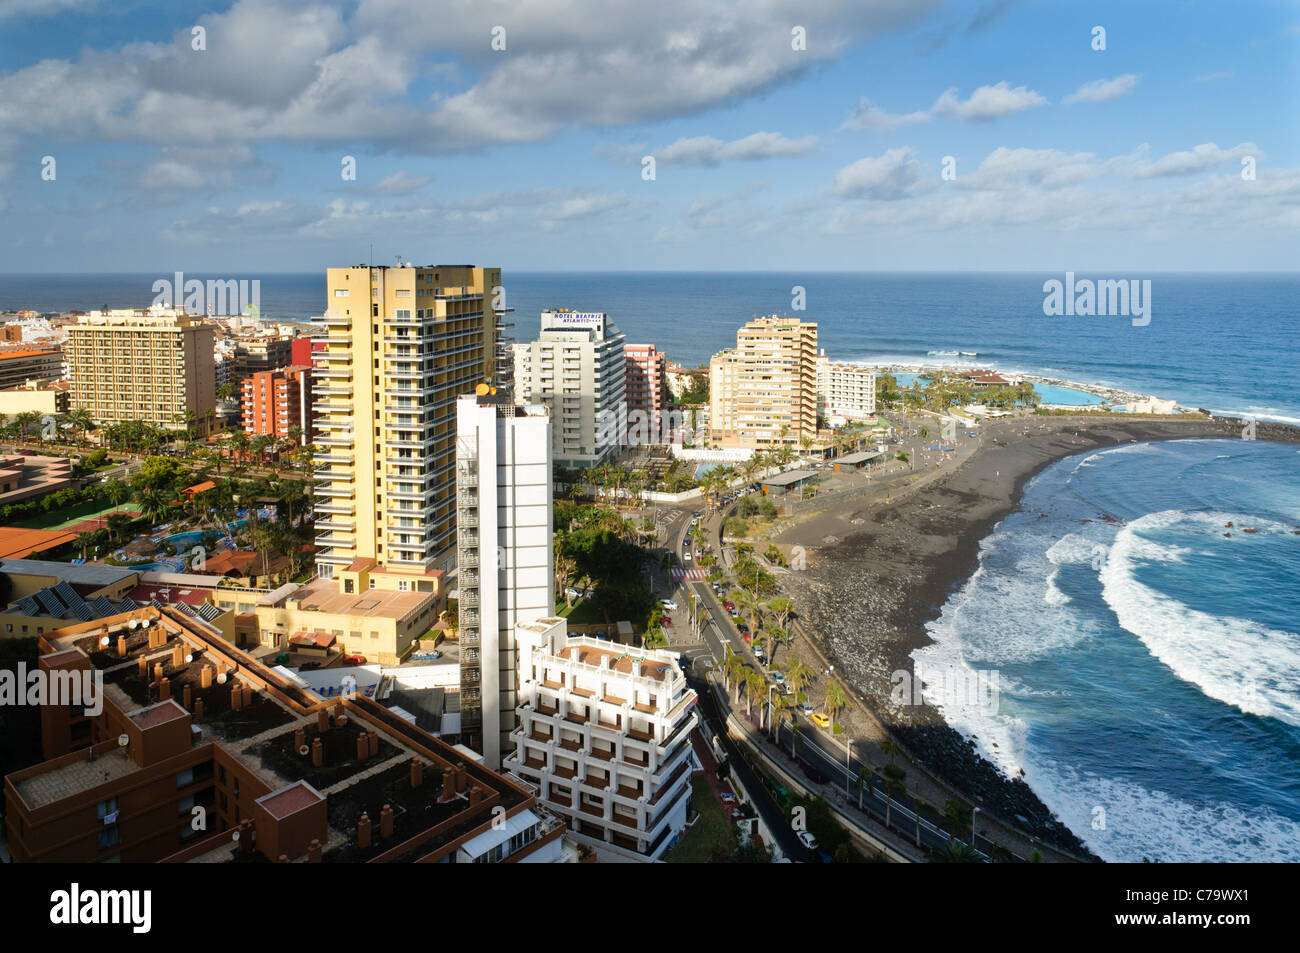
(467,519)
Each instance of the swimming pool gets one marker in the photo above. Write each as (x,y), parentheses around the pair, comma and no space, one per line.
(1051,394)
(704,468)
(184,541)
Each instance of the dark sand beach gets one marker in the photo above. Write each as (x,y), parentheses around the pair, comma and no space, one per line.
(883,562)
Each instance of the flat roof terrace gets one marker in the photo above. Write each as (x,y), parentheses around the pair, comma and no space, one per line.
(324,595)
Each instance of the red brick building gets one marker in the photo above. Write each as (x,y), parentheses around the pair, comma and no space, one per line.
(276,400)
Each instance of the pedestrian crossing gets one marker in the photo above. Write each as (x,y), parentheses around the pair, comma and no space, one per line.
(689,575)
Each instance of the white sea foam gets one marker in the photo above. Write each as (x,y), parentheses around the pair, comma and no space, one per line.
(1140,822)
(1237,661)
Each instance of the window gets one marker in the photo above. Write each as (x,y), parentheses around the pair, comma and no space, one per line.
(402,585)
(108,837)
(105,808)
(372,582)
(185,778)
(340,292)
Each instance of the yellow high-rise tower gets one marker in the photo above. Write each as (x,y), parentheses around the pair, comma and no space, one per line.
(403,343)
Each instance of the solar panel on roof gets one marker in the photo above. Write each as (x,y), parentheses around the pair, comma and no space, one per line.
(27,605)
(83,612)
(71,598)
(50,601)
(102,607)
(208,612)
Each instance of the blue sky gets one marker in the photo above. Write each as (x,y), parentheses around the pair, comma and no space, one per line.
(228,159)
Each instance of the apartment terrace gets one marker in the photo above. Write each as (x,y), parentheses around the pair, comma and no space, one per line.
(420,800)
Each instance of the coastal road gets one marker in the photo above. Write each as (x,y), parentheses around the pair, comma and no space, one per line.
(763,802)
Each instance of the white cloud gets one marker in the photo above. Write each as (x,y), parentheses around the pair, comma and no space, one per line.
(887,177)
(18,8)
(706,150)
(869,118)
(306,71)
(401,183)
(1211,77)
(1006,169)
(987,102)
(1103,90)
(1199,159)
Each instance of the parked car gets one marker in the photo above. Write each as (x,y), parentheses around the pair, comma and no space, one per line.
(806,838)
(805,709)
(354,660)
(668,603)
(686,557)
(727,797)
(820,720)
(666,622)
(728,605)
(778,677)
(744,629)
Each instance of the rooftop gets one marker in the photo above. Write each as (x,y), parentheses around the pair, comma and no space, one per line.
(327,596)
(89,574)
(788,479)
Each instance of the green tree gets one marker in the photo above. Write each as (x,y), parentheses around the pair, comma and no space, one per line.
(835,700)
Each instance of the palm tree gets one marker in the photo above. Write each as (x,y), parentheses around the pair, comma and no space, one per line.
(865,778)
(81,419)
(775,636)
(890,747)
(154,505)
(85,541)
(958,816)
(894,784)
(755,684)
(835,701)
(954,852)
(777,705)
(796,730)
(798,675)
(782,607)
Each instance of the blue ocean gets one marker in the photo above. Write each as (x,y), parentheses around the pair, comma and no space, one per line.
(1140,617)
(1224,342)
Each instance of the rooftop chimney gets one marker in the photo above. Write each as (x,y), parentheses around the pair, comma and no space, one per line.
(363,831)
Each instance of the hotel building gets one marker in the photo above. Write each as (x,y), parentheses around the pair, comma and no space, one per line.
(577,368)
(155,365)
(402,344)
(20,365)
(845,390)
(604,734)
(275,401)
(647,378)
(763,393)
(505,556)
(196,740)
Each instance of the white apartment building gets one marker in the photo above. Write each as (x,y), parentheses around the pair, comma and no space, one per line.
(504,556)
(520,354)
(577,367)
(604,732)
(845,390)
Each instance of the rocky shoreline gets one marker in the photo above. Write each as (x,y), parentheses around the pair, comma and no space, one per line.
(882,567)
